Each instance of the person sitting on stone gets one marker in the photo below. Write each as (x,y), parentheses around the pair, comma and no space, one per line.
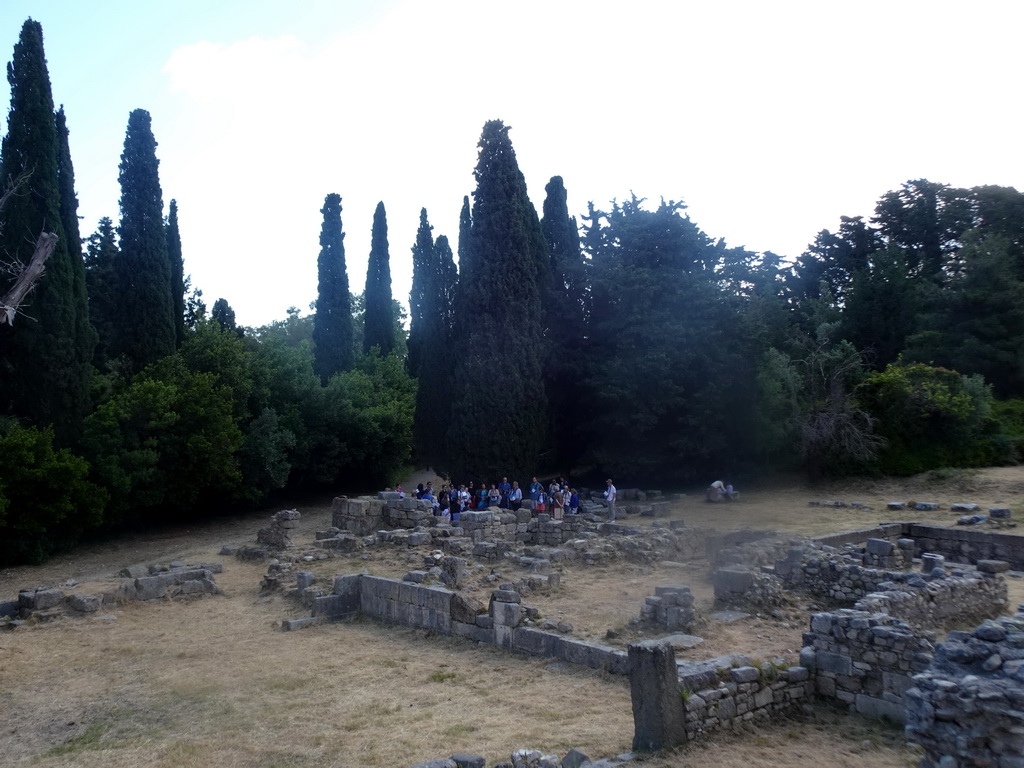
(716,492)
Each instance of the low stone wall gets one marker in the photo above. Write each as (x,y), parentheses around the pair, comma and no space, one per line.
(865,660)
(966,546)
(441,610)
(137,582)
(675,702)
(967,708)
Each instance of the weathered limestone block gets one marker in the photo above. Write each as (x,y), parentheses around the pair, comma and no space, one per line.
(658,716)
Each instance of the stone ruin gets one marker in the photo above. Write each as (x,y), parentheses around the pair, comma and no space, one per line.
(277,535)
(136,582)
(967,707)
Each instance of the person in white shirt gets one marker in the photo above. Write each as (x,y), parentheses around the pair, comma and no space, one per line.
(609,496)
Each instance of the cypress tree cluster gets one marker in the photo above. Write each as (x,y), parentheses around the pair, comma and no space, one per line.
(45,357)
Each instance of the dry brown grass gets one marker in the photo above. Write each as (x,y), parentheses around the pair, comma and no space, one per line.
(215,682)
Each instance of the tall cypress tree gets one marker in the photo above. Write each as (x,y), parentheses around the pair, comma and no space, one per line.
(45,357)
(422,254)
(378,315)
(177,266)
(100,256)
(433,395)
(332,325)
(564,319)
(146,328)
(498,398)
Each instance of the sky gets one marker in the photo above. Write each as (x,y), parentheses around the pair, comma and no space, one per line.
(770,120)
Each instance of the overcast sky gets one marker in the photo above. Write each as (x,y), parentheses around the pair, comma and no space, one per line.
(769,119)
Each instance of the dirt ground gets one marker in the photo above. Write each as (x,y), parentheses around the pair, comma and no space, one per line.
(215,681)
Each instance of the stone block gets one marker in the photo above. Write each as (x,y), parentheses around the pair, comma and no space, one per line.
(732,581)
(658,714)
(993,566)
(84,603)
(586,654)
(745,674)
(871,706)
(797,674)
(290,625)
(825,661)
(463,760)
(999,513)
(506,614)
(154,587)
(505,596)
(930,561)
(537,642)
(879,547)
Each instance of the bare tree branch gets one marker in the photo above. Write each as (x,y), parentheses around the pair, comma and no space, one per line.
(11,301)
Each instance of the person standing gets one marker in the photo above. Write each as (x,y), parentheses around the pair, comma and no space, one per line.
(535,490)
(558,503)
(515,497)
(574,501)
(609,496)
(504,488)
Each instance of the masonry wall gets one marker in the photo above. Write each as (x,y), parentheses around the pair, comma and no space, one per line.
(741,695)
(865,660)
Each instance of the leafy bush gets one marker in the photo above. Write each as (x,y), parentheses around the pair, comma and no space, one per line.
(46,500)
(932,417)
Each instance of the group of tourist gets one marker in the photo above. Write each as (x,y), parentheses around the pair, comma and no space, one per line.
(558,498)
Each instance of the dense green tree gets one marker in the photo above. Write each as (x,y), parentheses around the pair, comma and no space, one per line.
(498,403)
(378,308)
(145,292)
(100,257)
(332,326)
(166,447)
(977,324)
(45,356)
(670,380)
(224,316)
(422,257)
(177,272)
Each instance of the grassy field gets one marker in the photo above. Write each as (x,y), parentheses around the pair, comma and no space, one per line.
(215,682)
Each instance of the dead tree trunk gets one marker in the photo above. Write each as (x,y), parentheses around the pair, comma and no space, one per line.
(11,301)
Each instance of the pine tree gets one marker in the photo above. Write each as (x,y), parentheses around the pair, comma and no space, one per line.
(45,357)
(146,327)
(224,316)
(378,317)
(422,254)
(100,257)
(498,402)
(177,272)
(332,326)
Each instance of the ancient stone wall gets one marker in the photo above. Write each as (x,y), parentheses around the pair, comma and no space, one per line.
(964,546)
(744,694)
(865,660)
(501,622)
(137,582)
(967,708)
